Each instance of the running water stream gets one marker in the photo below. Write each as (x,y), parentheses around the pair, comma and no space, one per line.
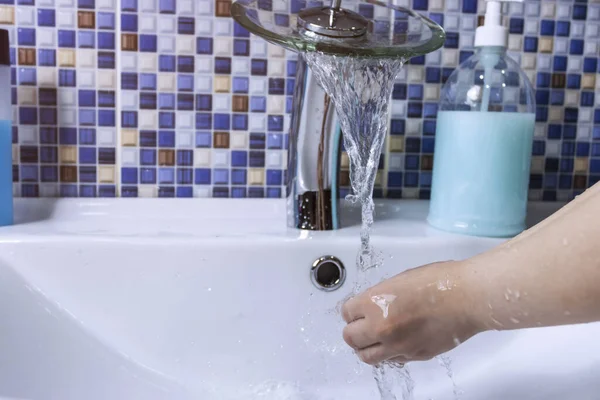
(360,89)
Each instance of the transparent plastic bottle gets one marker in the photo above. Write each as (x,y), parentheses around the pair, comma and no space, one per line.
(484,137)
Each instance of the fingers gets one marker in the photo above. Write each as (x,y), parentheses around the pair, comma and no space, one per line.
(373,355)
(359,334)
(352,310)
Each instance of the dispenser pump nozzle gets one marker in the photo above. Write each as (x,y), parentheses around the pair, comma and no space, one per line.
(493,33)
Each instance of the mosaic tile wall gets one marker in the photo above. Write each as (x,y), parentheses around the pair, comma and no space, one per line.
(171,98)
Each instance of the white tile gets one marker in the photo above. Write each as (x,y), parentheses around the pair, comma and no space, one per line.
(258,48)
(67,116)
(274,159)
(468,22)
(185,120)
(28,134)
(449,57)
(204,84)
(552,147)
(532,27)
(27,96)
(560,45)
(46,37)
(511,95)
(585,115)
(593,13)
(148,62)
(532,9)
(592,30)
(590,48)
(147,191)
(223,27)
(149,5)
(25,16)
(431,92)
(540,130)
(257,122)
(413,127)
(202,191)
(148,119)
(451,22)
(584,132)
(129,99)
(398,108)
(105,5)
(129,61)
(221,102)
(241,66)
(185,7)
(578,29)
(434,58)
(544,61)
(49,190)
(258,85)
(274,51)
(202,157)
(415,74)
(147,23)
(396,161)
(280,5)
(204,27)
(452,5)
(220,158)
(275,104)
(238,140)
(87,79)
(436,5)
(548,9)
(86,58)
(46,3)
(67,97)
(15,116)
(204,64)
(166,44)
(528,61)
(185,139)
(167,24)
(466,40)
(222,46)
(515,42)
(575,64)
(65,19)
(186,44)
(129,157)
(556,114)
(516,9)
(166,82)
(204,7)
(66,3)
(276,68)
(571,98)
(107,79)
(106,137)
(563,11)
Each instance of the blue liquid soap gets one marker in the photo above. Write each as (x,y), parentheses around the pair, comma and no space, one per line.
(481,172)
(6,185)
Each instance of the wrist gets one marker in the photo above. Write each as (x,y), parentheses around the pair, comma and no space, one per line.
(474,295)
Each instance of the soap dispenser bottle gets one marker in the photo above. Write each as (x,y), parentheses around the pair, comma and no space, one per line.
(6,185)
(484,136)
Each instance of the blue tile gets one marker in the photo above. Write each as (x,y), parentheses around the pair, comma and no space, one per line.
(239,122)
(87,98)
(563,28)
(204,45)
(571,114)
(86,39)
(590,65)
(554,131)
(221,122)
(106,60)
(560,63)
(27,76)
(568,149)
(46,17)
(147,81)
(129,5)
(576,46)
(557,97)
(129,175)
(530,44)
(90,4)
(129,22)
(569,131)
(30,190)
(258,67)
(274,177)
(185,158)
(220,176)
(204,102)
(106,98)
(258,104)
(587,99)
(184,191)
(129,81)
(397,127)
(202,176)
(241,47)
(48,116)
(579,12)
(452,39)
(275,123)
(258,140)
(539,148)
(203,139)
(167,6)
(106,118)
(166,120)
(129,119)
(166,101)
(28,115)
(148,175)
(583,149)
(238,176)
(274,193)
(105,20)
(66,38)
(516,25)
(26,36)
(185,176)
(148,100)
(87,117)
(129,191)
(185,101)
(415,110)
(542,97)
(87,136)
(186,26)
(185,64)
(239,158)
(566,165)
(67,190)
(48,135)
(106,155)
(547,27)
(185,83)
(47,57)
(166,175)
(395,179)
(147,156)
(87,155)
(107,191)
(166,138)
(239,84)
(148,43)
(49,173)
(106,40)
(148,138)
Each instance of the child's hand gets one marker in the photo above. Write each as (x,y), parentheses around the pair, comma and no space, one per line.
(415,315)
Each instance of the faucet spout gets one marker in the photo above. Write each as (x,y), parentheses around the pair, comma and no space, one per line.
(313,154)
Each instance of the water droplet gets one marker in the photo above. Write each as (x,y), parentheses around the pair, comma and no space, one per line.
(514,320)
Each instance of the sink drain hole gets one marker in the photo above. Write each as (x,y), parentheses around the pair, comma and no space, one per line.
(328,273)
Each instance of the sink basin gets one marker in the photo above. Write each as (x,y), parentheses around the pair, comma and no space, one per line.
(156,299)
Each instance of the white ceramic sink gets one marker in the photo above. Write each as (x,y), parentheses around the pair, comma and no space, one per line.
(153,299)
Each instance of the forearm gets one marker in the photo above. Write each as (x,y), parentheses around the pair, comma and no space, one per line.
(549,275)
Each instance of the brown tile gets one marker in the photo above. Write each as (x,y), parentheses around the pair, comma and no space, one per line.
(129,42)
(86,19)
(7,15)
(480,20)
(239,103)
(68,173)
(580,182)
(221,140)
(546,45)
(166,157)
(26,56)
(427,163)
(558,81)
(223,8)
(344,178)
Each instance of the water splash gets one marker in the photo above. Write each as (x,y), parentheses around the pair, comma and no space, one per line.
(383,301)
(446,362)
(360,89)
